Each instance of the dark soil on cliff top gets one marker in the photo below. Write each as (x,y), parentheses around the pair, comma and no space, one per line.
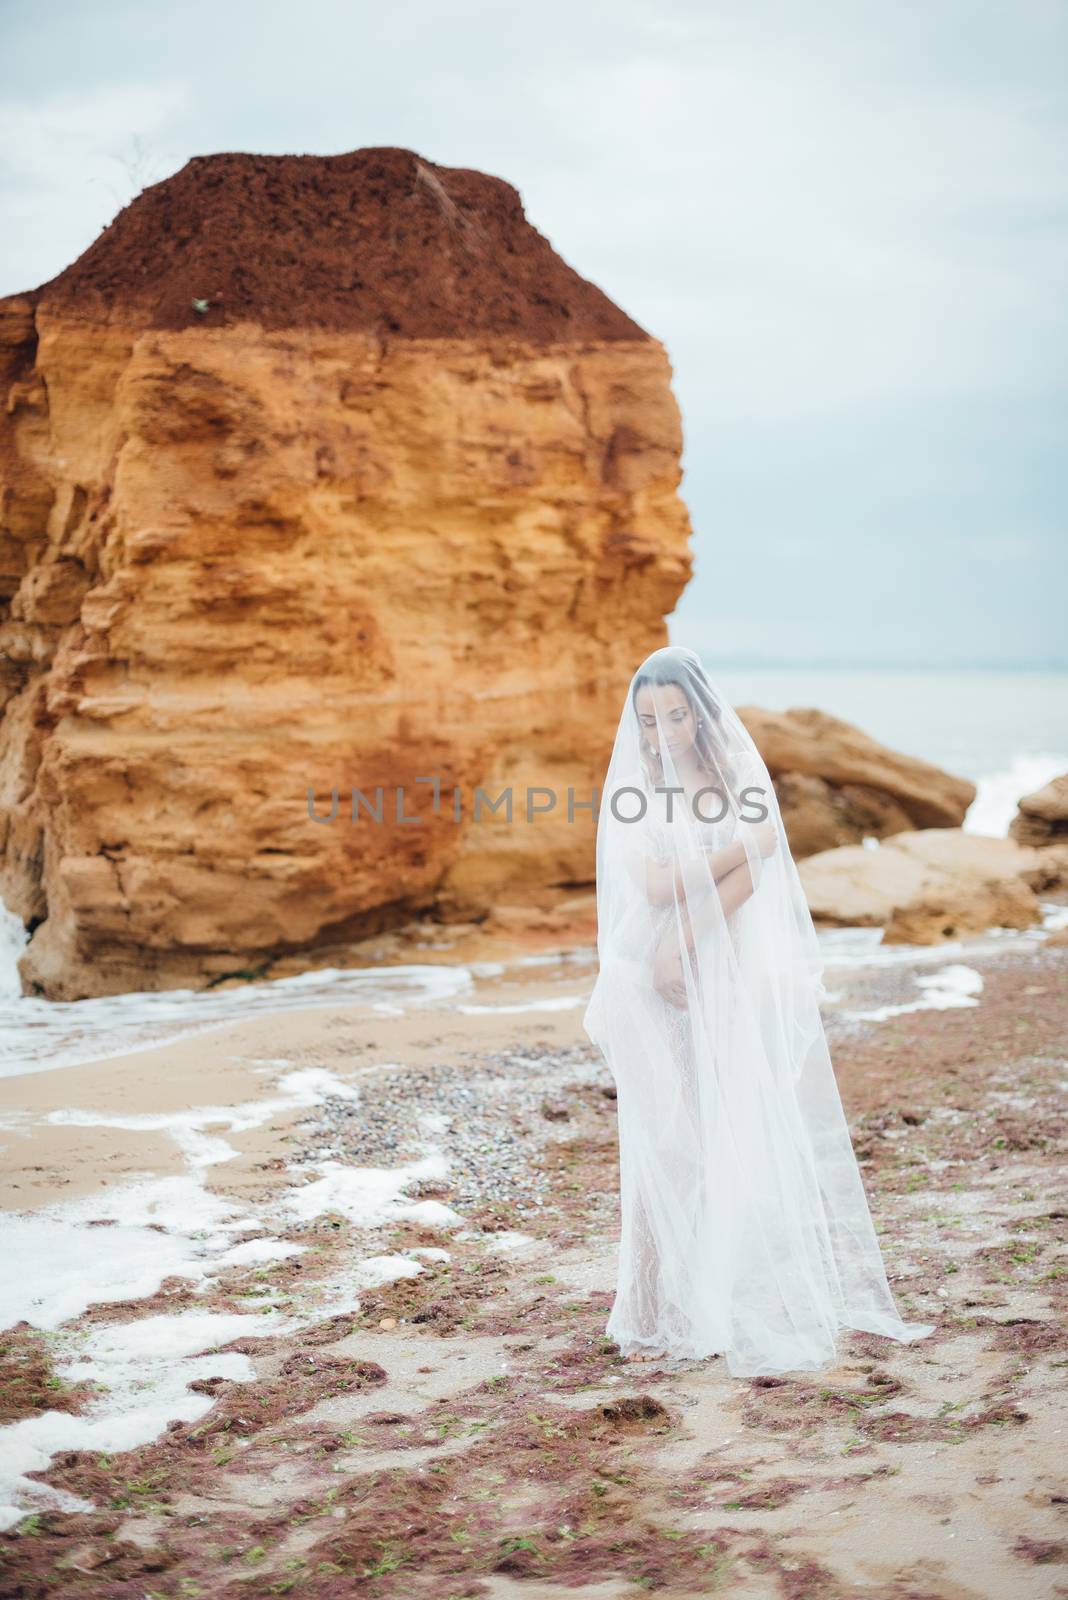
(378,240)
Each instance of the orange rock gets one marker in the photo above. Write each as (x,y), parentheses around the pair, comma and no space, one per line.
(930,886)
(836,785)
(246,561)
(1042,817)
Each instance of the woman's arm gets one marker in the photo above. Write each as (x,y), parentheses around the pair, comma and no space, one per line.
(664,883)
(733,888)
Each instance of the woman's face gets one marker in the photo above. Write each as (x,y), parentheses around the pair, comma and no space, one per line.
(667,703)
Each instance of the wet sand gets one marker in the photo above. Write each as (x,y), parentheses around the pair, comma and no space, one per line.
(465,1429)
(43,1161)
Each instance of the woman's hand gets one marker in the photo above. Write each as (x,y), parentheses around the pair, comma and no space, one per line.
(669,979)
(766,835)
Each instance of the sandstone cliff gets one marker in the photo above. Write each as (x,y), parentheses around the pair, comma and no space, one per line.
(315,472)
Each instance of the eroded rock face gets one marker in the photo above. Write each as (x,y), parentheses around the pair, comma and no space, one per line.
(399,500)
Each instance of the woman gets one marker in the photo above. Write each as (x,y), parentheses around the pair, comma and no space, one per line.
(744,1226)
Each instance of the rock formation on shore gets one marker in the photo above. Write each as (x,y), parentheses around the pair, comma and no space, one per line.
(1042,817)
(327,474)
(315,472)
(836,786)
(933,886)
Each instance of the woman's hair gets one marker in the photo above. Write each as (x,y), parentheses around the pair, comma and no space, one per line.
(668,669)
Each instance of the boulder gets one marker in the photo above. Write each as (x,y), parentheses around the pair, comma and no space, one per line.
(1042,817)
(931,885)
(836,785)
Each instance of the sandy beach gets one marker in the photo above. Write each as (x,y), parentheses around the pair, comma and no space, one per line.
(313,1302)
(502,509)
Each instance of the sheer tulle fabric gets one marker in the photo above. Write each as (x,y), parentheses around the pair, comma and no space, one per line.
(745,1230)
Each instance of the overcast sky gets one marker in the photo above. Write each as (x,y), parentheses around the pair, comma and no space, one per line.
(846,221)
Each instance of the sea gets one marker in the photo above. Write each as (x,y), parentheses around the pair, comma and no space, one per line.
(1005,730)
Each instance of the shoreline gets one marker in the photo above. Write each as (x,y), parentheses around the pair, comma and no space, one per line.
(142,1108)
(426,1230)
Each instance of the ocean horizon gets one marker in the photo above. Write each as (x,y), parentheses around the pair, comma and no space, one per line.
(1003,727)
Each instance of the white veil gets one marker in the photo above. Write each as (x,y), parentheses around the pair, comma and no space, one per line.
(744,1225)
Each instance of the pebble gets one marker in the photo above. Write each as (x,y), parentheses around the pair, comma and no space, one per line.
(491,1115)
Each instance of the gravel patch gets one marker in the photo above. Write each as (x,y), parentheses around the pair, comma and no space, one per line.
(491,1114)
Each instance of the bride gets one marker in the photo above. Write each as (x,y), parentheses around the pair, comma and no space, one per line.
(745,1230)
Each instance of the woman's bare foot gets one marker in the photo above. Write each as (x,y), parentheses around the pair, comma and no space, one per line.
(646,1355)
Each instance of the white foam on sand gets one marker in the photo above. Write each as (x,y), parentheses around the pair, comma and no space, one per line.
(121,1243)
(954,985)
(253,1251)
(307,1086)
(39,1035)
(386,1269)
(508,1239)
(118,1245)
(59,1265)
(550,1003)
(578,956)
(371,1196)
(145,1369)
